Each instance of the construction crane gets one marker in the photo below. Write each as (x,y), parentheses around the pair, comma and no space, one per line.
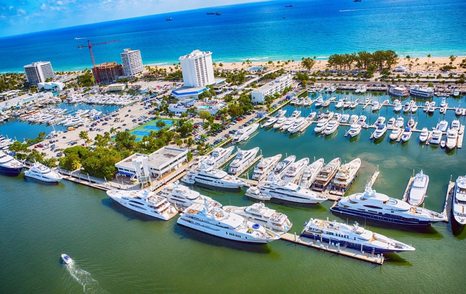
(90,45)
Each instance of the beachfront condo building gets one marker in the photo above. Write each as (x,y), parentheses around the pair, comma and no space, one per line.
(39,72)
(107,73)
(132,62)
(197,69)
(271,88)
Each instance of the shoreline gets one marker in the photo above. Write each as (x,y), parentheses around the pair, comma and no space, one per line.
(232,63)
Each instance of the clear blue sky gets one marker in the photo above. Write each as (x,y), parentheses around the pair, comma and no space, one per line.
(25,16)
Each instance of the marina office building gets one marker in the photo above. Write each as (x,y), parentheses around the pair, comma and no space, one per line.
(154,165)
(39,72)
(275,86)
(132,62)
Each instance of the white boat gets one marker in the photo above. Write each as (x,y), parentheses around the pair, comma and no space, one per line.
(424,135)
(458,111)
(452,138)
(288,123)
(255,193)
(455,125)
(418,189)
(295,170)
(243,159)
(290,192)
(43,173)
(407,107)
(216,158)
(424,92)
(398,91)
(9,165)
(354,104)
(397,106)
(344,118)
(326,174)
(379,131)
(362,120)
(391,123)
(414,107)
(400,122)
(395,134)
(431,107)
(212,178)
(182,197)
(216,221)
(459,200)
(376,105)
(145,202)
(354,237)
(444,103)
(355,129)
(267,217)
(378,207)
(406,134)
(380,120)
(66,259)
(442,126)
(331,127)
(280,122)
(411,123)
(270,122)
(265,166)
(244,133)
(339,104)
(319,101)
(353,119)
(321,125)
(345,176)
(298,122)
(456,93)
(436,137)
(281,168)
(310,173)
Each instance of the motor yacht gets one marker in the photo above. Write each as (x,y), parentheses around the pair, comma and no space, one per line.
(216,158)
(295,170)
(424,92)
(290,192)
(216,221)
(379,132)
(331,127)
(376,106)
(442,126)
(345,176)
(267,217)
(406,134)
(281,168)
(459,200)
(265,166)
(378,207)
(395,134)
(310,173)
(9,166)
(391,123)
(244,133)
(321,125)
(212,178)
(400,122)
(243,159)
(436,137)
(66,259)
(380,120)
(407,107)
(351,236)
(452,138)
(145,202)
(43,173)
(397,106)
(362,120)
(182,197)
(411,123)
(398,91)
(424,135)
(418,189)
(326,174)
(355,129)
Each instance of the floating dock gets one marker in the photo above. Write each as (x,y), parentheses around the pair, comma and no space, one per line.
(448,196)
(459,143)
(406,193)
(364,256)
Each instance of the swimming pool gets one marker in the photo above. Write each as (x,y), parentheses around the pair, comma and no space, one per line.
(150,126)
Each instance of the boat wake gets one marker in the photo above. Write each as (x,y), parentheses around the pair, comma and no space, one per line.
(84,278)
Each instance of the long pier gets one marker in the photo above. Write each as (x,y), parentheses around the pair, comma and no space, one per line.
(448,196)
(360,255)
(406,192)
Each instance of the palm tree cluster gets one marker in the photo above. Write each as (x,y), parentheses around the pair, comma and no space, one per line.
(363,60)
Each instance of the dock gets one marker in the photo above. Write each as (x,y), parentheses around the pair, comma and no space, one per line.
(448,196)
(459,143)
(336,249)
(374,177)
(405,194)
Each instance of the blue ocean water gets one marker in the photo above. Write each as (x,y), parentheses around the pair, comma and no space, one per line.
(257,31)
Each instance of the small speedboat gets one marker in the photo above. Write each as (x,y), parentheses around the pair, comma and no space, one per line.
(66,259)
(443,144)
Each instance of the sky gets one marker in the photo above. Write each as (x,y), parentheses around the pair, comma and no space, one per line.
(26,16)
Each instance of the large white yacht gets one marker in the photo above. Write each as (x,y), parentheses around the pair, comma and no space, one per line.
(244,133)
(345,176)
(265,166)
(436,137)
(321,125)
(295,170)
(331,127)
(9,166)
(310,173)
(281,168)
(459,200)
(212,178)
(452,138)
(355,237)
(182,197)
(398,91)
(289,192)
(424,92)
(217,157)
(378,207)
(243,159)
(216,221)
(267,217)
(355,129)
(43,173)
(144,202)
(326,174)
(418,189)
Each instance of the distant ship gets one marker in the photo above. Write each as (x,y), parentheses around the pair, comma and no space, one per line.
(289,5)
(214,13)
(169,18)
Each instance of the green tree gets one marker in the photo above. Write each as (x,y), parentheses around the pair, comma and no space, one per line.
(308,63)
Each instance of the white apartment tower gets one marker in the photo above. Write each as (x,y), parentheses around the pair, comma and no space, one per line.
(38,72)
(197,68)
(132,62)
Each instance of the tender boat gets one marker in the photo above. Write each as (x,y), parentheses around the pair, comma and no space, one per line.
(267,217)
(378,207)
(66,259)
(310,173)
(43,173)
(418,189)
(265,166)
(243,159)
(215,221)
(345,176)
(354,237)
(9,166)
(145,202)
(326,174)
(459,200)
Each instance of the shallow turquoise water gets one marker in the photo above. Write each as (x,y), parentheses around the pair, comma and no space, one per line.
(124,252)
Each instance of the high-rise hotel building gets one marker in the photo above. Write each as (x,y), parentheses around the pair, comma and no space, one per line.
(132,62)
(197,69)
(38,72)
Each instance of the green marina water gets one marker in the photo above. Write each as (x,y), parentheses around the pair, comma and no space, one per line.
(118,251)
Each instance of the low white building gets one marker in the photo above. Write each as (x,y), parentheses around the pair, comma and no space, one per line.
(275,86)
(154,165)
(117,87)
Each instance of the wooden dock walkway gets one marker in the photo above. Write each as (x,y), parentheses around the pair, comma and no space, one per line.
(373,178)
(406,192)
(448,196)
(364,256)
(459,143)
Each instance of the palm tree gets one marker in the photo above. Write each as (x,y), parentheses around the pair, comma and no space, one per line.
(308,63)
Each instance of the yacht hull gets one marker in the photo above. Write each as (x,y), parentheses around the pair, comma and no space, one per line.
(126,205)
(12,172)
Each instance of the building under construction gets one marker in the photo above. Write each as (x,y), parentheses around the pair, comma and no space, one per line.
(107,73)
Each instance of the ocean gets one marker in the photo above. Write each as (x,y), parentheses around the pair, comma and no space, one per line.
(257,31)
